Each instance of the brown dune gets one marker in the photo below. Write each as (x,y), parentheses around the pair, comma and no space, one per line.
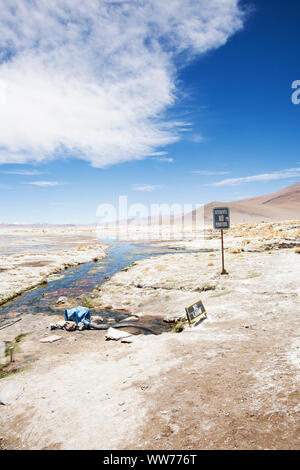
(280,205)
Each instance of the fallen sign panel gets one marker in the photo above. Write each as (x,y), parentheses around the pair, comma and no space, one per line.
(195,311)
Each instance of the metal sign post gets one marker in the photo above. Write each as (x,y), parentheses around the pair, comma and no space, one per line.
(223,261)
(222,222)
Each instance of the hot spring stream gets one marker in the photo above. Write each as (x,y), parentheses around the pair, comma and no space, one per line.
(81,280)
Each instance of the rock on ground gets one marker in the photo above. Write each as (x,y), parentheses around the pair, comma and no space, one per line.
(50,339)
(114,334)
(70,326)
(10,392)
(62,300)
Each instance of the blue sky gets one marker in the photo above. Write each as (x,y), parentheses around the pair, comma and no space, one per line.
(190,107)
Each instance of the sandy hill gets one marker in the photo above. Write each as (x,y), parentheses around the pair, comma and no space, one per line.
(280,205)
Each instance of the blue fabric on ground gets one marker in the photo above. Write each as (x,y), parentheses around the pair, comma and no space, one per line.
(78,315)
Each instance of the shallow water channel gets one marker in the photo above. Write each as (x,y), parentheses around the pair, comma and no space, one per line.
(80,280)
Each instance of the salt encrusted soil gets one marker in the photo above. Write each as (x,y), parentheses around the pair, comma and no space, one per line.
(18,239)
(21,272)
(163,285)
(243,237)
(232,382)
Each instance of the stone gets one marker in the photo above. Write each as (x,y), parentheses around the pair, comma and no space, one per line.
(174,318)
(132,318)
(116,335)
(131,339)
(61,324)
(70,326)
(10,392)
(53,326)
(50,339)
(62,300)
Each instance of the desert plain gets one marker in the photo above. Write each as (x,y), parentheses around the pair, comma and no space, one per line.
(230,381)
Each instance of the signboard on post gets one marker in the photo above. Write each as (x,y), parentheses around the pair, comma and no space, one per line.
(222,222)
(221,218)
(195,311)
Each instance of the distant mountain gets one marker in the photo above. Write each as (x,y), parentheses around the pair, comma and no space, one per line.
(280,205)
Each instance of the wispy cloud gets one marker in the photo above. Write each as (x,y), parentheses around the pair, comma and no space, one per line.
(197,138)
(275,175)
(210,173)
(94,79)
(146,187)
(61,204)
(157,154)
(22,172)
(44,184)
(161,157)
(164,159)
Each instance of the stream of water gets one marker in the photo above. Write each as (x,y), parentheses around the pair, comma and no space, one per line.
(80,280)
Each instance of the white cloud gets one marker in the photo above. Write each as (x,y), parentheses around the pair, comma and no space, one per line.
(156,154)
(22,172)
(210,173)
(197,138)
(94,79)
(161,157)
(164,159)
(44,184)
(146,187)
(275,175)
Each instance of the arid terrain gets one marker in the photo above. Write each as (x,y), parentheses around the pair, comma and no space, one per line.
(22,268)
(229,382)
(280,205)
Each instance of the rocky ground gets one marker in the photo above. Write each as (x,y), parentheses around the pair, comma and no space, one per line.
(231,382)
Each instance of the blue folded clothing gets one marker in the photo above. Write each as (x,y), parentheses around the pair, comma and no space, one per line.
(78,315)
